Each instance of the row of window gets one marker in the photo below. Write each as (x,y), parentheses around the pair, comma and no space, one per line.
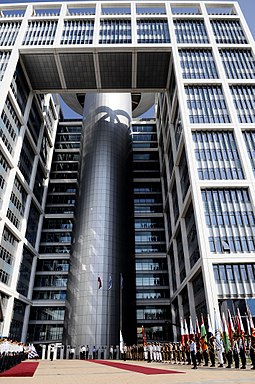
(233,244)
(4,277)
(206,104)
(40,33)
(50,281)
(234,273)
(217,156)
(221,200)
(9,238)
(6,256)
(4,60)
(244,102)
(8,33)
(49,295)
(230,219)
(200,64)
(197,64)
(152,31)
(13,218)
(119,31)
(249,138)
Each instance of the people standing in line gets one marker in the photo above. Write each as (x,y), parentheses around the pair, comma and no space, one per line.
(72,353)
(187,351)
(145,352)
(229,357)
(150,352)
(252,350)
(125,352)
(87,352)
(193,352)
(52,348)
(199,353)
(170,353)
(241,345)
(82,352)
(211,348)
(220,351)
(111,352)
(236,352)
(94,352)
(204,347)
(178,353)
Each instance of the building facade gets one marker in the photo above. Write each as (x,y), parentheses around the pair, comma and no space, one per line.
(159,212)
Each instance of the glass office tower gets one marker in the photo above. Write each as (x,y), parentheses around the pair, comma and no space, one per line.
(161,212)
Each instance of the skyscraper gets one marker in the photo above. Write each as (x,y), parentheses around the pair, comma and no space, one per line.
(160,211)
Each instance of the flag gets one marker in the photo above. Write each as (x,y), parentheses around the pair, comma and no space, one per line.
(252,326)
(225,333)
(210,328)
(182,333)
(144,336)
(240,327)
(110,282)
(250,319)
(186,331)
(248,325)
(240,324)
(32,352)
(218,331)
(121,281)
(99,282)
(121,343)
(203,330)
(191,329)
(198,333)
(231,328)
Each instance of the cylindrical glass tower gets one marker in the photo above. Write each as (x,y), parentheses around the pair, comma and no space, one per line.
(100,232)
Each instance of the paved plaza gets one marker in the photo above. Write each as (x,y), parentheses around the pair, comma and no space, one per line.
(79,371)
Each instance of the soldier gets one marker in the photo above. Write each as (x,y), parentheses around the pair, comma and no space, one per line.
(193,351)
(236,351)
(229,356)
(182,353)
(204,347)
(174,353)
(151,352)
(252,349)
(220,350)
(199,353)
(188,353)
(170,353)
(211,347)
(154,350)
(241,345)
(178,353)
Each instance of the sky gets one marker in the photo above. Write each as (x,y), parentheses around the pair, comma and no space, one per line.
(247,6)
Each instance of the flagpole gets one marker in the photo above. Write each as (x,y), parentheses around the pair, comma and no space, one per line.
(96,319)
(108,323)
(121,289)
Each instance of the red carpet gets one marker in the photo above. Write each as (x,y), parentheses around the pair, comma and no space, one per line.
(21,370)
(135,368)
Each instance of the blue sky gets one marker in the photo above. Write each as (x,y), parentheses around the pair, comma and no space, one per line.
(247,6)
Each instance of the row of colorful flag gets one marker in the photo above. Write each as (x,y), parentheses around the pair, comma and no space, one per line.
(225,328)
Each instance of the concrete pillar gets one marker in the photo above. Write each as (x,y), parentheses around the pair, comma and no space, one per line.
(43,351)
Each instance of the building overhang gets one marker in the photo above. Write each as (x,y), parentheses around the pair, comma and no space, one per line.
(109,69)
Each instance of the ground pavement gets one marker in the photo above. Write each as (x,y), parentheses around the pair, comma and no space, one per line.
(79,372)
